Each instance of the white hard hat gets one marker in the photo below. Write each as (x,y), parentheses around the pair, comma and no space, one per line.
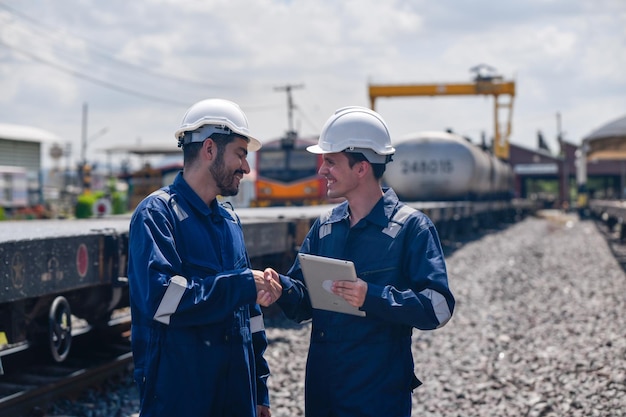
(356,129)
(214,115)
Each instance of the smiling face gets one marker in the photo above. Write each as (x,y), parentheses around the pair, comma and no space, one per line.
(229,166)
(341,178)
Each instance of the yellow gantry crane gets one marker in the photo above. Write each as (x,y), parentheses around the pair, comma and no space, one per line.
(486,82)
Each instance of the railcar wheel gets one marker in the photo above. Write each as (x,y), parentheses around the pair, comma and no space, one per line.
(60,329)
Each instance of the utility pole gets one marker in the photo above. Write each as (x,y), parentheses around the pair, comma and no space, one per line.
(565,186)
(83,169)
(83,148)
(559,135)
(291,133)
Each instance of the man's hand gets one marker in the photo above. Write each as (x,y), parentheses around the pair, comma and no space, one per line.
(351,291)
(267,286)
(263,411)
(274,280)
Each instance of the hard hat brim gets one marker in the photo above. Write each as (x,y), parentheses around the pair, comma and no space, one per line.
(316,149)
(253,144)
(370,155)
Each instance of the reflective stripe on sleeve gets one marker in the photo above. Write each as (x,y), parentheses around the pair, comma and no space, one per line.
(163,195)
(398,220)
(440,305)
(180,213)
(325,229)
(171,299)
(257,324)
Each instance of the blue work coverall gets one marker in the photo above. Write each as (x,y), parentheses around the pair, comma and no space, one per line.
(363,366)
(197,335)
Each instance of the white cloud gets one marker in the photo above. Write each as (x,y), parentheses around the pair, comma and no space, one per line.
(140,64)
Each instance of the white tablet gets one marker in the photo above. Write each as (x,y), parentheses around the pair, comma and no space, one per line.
(319,273)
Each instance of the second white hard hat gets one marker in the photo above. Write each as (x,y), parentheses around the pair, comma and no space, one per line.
(356,129)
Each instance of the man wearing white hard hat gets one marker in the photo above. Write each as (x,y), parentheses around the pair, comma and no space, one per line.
(197,331)
(361,364)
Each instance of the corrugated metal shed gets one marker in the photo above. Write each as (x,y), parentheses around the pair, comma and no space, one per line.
(608,141)
(21,146)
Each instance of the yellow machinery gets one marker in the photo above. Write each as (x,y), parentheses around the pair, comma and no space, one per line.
(492,85)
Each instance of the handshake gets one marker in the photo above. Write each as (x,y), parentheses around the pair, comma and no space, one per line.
(268,288)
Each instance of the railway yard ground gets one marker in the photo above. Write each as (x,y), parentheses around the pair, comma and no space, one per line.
(539,331)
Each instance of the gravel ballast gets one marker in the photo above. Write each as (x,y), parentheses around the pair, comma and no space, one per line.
(538,331)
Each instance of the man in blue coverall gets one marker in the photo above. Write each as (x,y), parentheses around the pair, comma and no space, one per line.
(197,331)
(363,366)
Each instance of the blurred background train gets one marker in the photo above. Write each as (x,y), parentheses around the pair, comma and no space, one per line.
(428,166)
(56,272)
(443,166)
(286,173)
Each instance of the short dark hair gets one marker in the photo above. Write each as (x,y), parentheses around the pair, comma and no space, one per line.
(191,149)
(377,169)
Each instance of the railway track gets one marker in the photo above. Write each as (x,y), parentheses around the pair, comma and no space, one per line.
(32,382)
(614,240)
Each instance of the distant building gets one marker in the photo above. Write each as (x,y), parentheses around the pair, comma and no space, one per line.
(605,167)
(20,146)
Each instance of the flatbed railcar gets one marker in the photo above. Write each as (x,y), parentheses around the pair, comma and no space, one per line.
(53,272)
(452,218)
(62,278)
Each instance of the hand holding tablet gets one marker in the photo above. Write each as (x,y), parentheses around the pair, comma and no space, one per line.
(319,273)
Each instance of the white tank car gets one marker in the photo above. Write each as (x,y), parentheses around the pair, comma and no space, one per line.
(432,166)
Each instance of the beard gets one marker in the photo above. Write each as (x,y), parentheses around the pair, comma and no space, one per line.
(226,182)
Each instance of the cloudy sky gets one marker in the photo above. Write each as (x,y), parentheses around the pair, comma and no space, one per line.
(140,64)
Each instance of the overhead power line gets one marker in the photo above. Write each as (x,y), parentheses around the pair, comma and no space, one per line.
(93,79)
(101,51)
(59,55)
